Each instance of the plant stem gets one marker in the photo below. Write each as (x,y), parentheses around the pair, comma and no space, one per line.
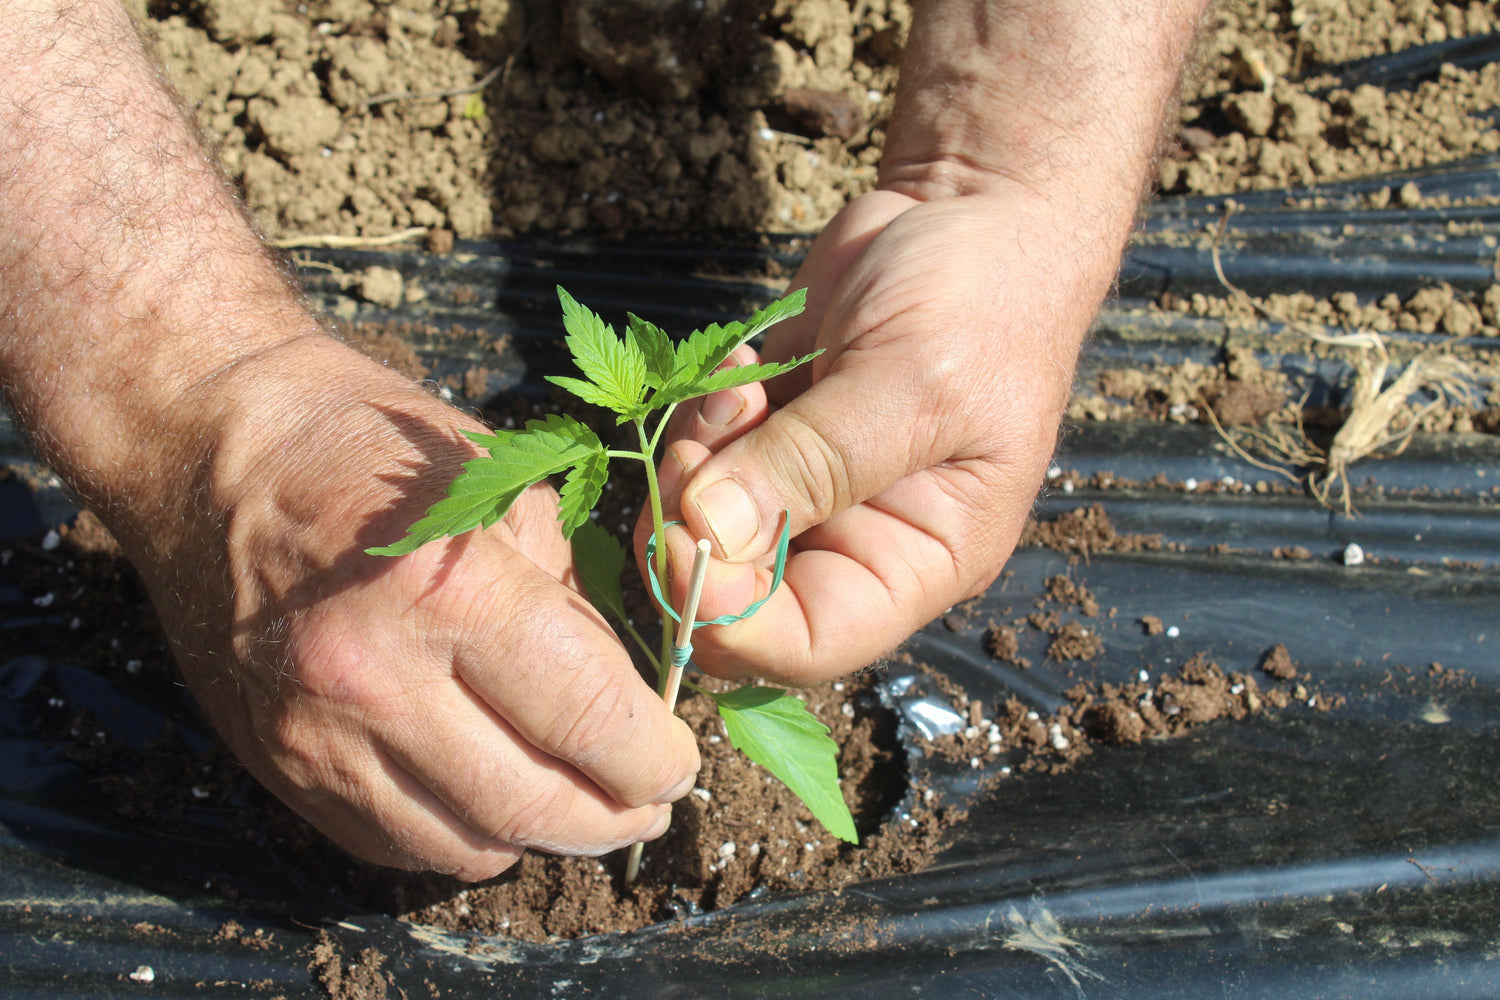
(659,527)
(668,674)
(673,676)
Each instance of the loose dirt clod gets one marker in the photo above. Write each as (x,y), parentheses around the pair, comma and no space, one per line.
(1278,663)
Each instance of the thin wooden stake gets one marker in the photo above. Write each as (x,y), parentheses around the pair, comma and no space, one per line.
(684,640)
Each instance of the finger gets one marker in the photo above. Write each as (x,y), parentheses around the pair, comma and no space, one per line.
(501,787)
(842,242)
(847,438)
(857,587)
(720,417)
(544,660)
(366,803)
(725,581)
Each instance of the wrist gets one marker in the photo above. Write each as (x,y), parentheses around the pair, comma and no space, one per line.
(1065,99)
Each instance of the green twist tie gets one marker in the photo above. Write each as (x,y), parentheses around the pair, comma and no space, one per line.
(684,653)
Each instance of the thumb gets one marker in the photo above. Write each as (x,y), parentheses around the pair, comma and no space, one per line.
(841,442)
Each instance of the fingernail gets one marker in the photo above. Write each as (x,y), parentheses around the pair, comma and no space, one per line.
(719,408)
(682,788)
(731,515)
(659,827)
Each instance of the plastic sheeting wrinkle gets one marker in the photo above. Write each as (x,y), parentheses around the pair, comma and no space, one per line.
(1041,934)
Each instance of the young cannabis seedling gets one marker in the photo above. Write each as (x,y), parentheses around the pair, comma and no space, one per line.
(642,377)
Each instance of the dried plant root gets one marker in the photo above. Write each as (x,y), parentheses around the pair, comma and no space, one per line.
(1378,418)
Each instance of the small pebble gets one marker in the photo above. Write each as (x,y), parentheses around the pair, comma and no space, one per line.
(45,601)
(50,541)
(1190,484)
(701,794)
(1059,741)
(726,850)
(132,666)
(971,732)
(1032,716)
(1353,554)
(143,974)
(1053,471)
(975,763)
(1143,677)
(1173,631)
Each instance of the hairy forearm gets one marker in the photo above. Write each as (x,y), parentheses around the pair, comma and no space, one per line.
(1065,97)
(130,281)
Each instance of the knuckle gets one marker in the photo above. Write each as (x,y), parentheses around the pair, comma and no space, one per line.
(485,866)
(590,716)
(533,818)
(802,456)
(330,662)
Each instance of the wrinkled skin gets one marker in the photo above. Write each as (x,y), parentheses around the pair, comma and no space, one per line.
(908,454)
(445,709)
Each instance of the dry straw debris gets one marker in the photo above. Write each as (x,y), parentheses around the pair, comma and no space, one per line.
(1378,419)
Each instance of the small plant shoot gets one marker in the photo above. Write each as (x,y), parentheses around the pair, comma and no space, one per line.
(641,377)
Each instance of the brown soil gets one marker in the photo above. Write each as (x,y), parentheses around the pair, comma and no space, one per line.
(740,832)
(1263,113)
(350,117)
(1085,531)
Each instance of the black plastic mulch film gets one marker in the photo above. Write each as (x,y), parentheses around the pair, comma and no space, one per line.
(1351,853)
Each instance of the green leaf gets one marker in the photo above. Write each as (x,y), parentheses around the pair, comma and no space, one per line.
(779,733)
(488,485)
(656,347)
(586,391)
(474,106)
(761,321)
(581,490)
(704,350)
(728,378)
(616,366)
(599,559)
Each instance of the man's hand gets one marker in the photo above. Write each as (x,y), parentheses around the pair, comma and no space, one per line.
(909,457)
(442,710)
(951,305)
